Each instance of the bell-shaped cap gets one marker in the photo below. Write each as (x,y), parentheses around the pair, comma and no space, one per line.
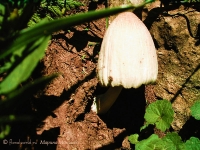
(128,56)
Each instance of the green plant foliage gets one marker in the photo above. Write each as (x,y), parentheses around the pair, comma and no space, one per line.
(53,9)
(23,68)
(175,139)
(160,113)
(192,144)
(5,130)
(190,1)
(13,97)
(16,3)
(133,139)
(154,143)
(71,4)
(171,141)
(13,118)
(195,110)
(14,18)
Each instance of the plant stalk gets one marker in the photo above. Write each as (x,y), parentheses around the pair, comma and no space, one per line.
(105,101)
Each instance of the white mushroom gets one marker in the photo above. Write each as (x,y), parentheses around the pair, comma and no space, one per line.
(127,58)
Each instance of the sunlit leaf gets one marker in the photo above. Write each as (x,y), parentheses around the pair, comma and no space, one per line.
(133,139)
(195,110)
(154,143)
(160,113)
(175,139)
(24,69)
(192,144)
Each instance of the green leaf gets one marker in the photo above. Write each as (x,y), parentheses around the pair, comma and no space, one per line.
(43,28)
(133,139)
(160,113)
(175,139)
(24,69)
(154,143)
(192,144)
(14,118)
(144,126)
(5,130)
(15,97)
(148,144)
(195,110)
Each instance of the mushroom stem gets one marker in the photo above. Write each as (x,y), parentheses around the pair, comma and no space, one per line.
(106,100)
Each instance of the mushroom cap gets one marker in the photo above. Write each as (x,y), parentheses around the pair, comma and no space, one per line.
(128,56)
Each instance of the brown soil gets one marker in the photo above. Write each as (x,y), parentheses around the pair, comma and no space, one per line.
(74,54)
(63,116)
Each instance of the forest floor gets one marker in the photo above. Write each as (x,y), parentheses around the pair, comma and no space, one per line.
(64,120)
